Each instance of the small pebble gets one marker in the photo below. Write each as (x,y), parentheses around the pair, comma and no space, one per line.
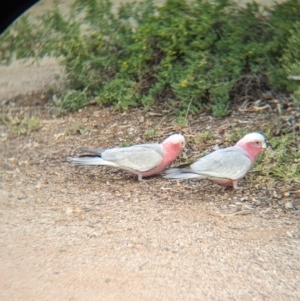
(290,234)
(256,201)
(289,205)
(276,195)
(224,207)
(13,160)
(69,211)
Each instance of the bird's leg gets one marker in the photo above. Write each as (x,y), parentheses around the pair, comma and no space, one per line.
(140,178)
(235,185)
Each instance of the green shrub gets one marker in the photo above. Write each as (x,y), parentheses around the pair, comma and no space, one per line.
(70,100)
(184,55)
(291,61)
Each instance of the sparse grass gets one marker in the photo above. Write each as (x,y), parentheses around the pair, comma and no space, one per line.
(235,134)
(151,133)
(204,137)
(25,126)
(4,119)
(181,121)
(125,144)
(20,125)
(69,100)
(77,128)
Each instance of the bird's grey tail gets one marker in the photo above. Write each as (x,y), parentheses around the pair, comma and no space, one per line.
(180,169)
(181,176)
(174,170)
(81,161)
(180,173)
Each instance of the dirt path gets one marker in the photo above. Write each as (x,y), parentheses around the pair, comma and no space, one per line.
(99,234)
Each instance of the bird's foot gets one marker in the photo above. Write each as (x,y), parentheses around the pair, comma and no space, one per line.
(235,186)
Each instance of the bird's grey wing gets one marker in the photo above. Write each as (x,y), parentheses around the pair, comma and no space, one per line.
(138,157)
(230,163)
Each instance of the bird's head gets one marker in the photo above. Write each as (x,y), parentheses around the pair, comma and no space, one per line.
(253,143)
(175,141)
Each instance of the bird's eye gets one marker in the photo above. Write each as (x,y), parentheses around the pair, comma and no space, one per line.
(257,143)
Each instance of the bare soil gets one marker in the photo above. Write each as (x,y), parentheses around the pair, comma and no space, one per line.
(96,233)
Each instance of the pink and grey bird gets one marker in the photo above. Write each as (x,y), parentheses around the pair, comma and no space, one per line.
(224,166)
(143,160)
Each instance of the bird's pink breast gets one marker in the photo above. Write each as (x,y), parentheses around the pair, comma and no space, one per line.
(225,183)
(171,153)
(251,150)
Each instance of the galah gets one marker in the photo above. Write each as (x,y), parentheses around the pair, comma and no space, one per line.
(224,166)
(143,160)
